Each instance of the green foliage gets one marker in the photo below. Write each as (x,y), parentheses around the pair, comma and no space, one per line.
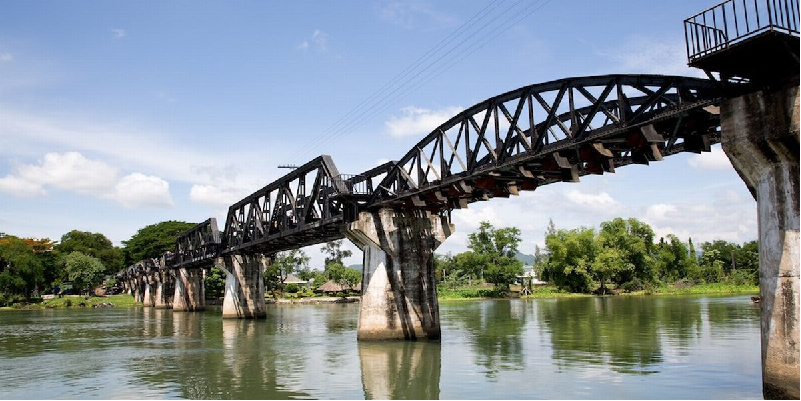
(214,283)
(21,271)
(350,278)
(492,255)
(634,240)
(291,261)
(152,241)
(334,252)
(334,271)
(291,288)
(84,271)
(571,254)
(95,245)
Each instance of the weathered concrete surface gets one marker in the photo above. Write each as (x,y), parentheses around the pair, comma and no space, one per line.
(138,289)
(189,290)
(399,295)
(761,138)
(244,285)
(149,297)
(165,290)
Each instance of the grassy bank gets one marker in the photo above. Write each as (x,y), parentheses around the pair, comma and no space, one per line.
(118,301)
(547,291)
(700,289)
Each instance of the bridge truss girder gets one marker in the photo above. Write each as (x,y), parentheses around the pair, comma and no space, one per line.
(551,132)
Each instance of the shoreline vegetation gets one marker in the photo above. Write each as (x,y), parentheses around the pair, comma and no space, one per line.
(623,257)
(466,293)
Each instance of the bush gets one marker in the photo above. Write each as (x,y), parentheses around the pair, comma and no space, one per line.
(291,288)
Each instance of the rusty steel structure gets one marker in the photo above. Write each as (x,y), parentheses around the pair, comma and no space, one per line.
(520,140)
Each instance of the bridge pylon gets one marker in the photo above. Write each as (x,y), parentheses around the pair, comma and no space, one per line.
(758,44)
(399,294)
(244,285)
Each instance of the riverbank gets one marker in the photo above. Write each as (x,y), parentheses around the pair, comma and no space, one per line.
(466,293)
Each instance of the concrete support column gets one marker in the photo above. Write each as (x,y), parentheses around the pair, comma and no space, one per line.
(165,290)
(149,298)
(189,290)
(244,285)
(399,295)
(761,138)
(139,291)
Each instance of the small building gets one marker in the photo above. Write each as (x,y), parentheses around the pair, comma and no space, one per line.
(331,287)
(293,279)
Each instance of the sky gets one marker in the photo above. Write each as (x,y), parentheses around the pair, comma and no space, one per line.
(115,115)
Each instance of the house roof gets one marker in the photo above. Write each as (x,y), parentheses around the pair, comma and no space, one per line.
(331,286)
(293,279)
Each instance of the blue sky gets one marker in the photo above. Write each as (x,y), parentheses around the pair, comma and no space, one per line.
(118,115)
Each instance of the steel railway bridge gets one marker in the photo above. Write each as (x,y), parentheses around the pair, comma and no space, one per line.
(518,141)
(557,131)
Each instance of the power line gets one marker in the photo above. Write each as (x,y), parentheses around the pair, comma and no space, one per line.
(408,69)
(388,101)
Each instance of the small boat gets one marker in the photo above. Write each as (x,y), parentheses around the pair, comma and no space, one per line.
(755,299)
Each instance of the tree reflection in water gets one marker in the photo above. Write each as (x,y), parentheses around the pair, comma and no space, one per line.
(625,333)
(494,329)
(400,369)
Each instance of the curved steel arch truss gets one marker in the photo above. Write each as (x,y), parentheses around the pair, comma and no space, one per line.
(549,132)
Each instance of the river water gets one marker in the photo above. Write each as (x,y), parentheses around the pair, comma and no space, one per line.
(581,348)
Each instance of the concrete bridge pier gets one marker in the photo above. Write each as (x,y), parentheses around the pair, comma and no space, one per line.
(138,289)
(189,290)
(399,295)
(244,285)
(149,297)
(760,135)
(165,290)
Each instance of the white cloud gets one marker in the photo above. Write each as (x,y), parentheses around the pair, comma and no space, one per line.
(119,33)
(412,14)
(601,201)
(645,55)
(70,171)
(211,195)
(19,187)
(660,212)
(138,190)
(318,42)
(714,160)
(417,121)
(6,57)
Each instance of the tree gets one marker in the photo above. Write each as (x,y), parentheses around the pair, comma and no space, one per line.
(95,245)
(334,252)
(571,255)
(84,271)
(673,259)
(152,241)
(291,261)
(214,283)
(350,278)
(492,254)
(635,242)
(21,271)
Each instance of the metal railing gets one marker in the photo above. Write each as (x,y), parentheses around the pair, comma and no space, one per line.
(735,20)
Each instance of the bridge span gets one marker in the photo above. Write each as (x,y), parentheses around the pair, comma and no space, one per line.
(558,131)
(397,213)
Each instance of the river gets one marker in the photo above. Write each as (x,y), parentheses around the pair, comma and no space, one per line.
(663,347)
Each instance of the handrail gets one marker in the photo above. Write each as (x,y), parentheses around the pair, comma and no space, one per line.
(733,21)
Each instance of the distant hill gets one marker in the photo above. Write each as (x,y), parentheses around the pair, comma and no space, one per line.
(358,266)
(527,260)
